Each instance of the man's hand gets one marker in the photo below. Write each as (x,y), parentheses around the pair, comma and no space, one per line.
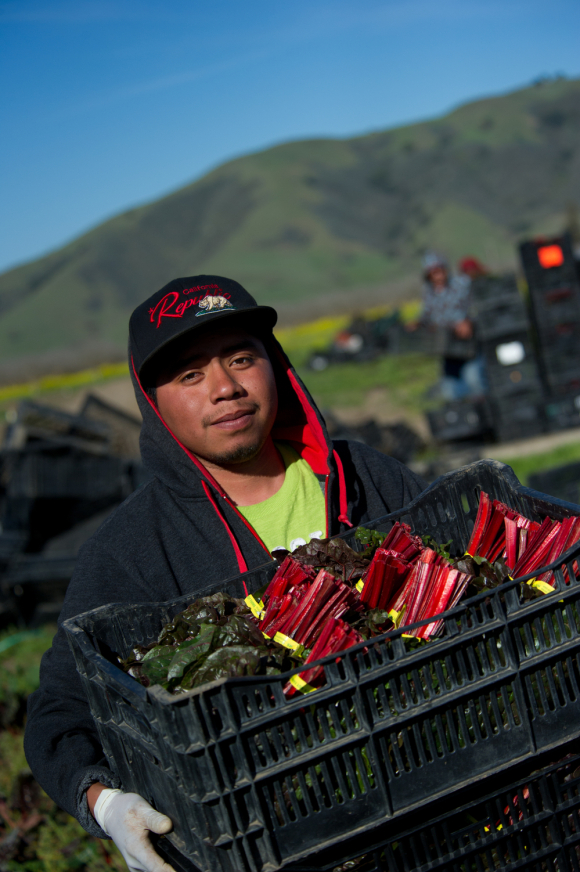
(127,818)
(463,329)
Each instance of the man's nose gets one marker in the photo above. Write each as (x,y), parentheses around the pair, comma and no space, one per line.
(223,384)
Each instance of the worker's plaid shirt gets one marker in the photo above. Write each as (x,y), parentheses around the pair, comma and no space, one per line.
(446,307)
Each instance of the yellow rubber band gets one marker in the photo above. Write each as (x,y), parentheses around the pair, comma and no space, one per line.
(300,684)
(397,617)
(360,585)
(467,554)
(287,642)
(256,607)
(542,586)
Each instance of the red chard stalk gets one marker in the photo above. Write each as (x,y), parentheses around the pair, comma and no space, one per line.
(481,521)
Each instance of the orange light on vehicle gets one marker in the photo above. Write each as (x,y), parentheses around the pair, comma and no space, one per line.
(550,255)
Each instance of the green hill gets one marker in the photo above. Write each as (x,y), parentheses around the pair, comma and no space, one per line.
(315,220)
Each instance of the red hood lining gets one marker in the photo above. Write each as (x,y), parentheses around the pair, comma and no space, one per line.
(307,436)
(242,565)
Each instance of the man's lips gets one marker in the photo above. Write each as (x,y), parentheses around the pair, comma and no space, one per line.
(234,420)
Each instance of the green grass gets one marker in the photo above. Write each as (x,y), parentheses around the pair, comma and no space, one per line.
(66,381)
(525,466)
(20,654)
(47,839)
(407,377)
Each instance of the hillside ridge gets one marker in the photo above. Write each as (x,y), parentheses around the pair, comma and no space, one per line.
(315,224)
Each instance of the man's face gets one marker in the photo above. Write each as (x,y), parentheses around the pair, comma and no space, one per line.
(438,277)
(218,395)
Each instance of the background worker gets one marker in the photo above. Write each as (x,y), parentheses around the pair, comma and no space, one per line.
(446,307)
(242,463)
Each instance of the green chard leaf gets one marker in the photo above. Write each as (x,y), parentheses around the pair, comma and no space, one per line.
(192,651)
(370,538)
(227,663)
(155,664)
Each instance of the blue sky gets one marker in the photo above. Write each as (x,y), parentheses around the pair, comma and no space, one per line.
(106,105)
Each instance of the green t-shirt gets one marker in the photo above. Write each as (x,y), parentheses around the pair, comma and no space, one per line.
(296,511)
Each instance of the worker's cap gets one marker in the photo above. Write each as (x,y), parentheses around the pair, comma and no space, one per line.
(431,259)
(472,267)
(186,305)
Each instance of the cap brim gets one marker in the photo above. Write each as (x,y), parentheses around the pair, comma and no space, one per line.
(262,317)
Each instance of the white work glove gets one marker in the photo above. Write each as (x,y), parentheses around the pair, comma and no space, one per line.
(127,819)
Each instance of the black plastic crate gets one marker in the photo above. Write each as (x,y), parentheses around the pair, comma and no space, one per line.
(461,419)
(563,413)
(254,781)
(487,292)
(37,423)
(517,412)
(510,358)
(564,386)
(33,582)
(498,307)
(11,542)
(531,823)
(525,421)
(563,383)
(66,475)
(431,341)
(556,306)
(559,348)
(539,276)
(512,395)
(123,429)
(505,319)
(514,383)
(505,380)
(559,369)
(561,481)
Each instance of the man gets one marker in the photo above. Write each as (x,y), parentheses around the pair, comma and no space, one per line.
(242,463)
(446,307)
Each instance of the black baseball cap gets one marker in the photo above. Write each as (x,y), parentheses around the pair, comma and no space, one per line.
(185,305)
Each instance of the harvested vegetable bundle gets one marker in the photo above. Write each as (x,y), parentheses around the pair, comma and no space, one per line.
(411,581)
(325,597)
(524,545)
(215,637)
(301,614)
(336,636)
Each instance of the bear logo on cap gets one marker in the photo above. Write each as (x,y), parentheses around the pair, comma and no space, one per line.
(211,304)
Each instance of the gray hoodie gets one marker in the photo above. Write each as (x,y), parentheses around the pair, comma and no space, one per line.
(173,536)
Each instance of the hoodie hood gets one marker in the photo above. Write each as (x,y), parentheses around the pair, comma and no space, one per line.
(298,421)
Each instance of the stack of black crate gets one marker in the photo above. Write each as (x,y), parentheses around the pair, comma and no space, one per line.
(514,386)
(554,289)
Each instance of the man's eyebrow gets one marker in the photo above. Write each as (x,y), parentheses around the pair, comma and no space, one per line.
(229,349)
